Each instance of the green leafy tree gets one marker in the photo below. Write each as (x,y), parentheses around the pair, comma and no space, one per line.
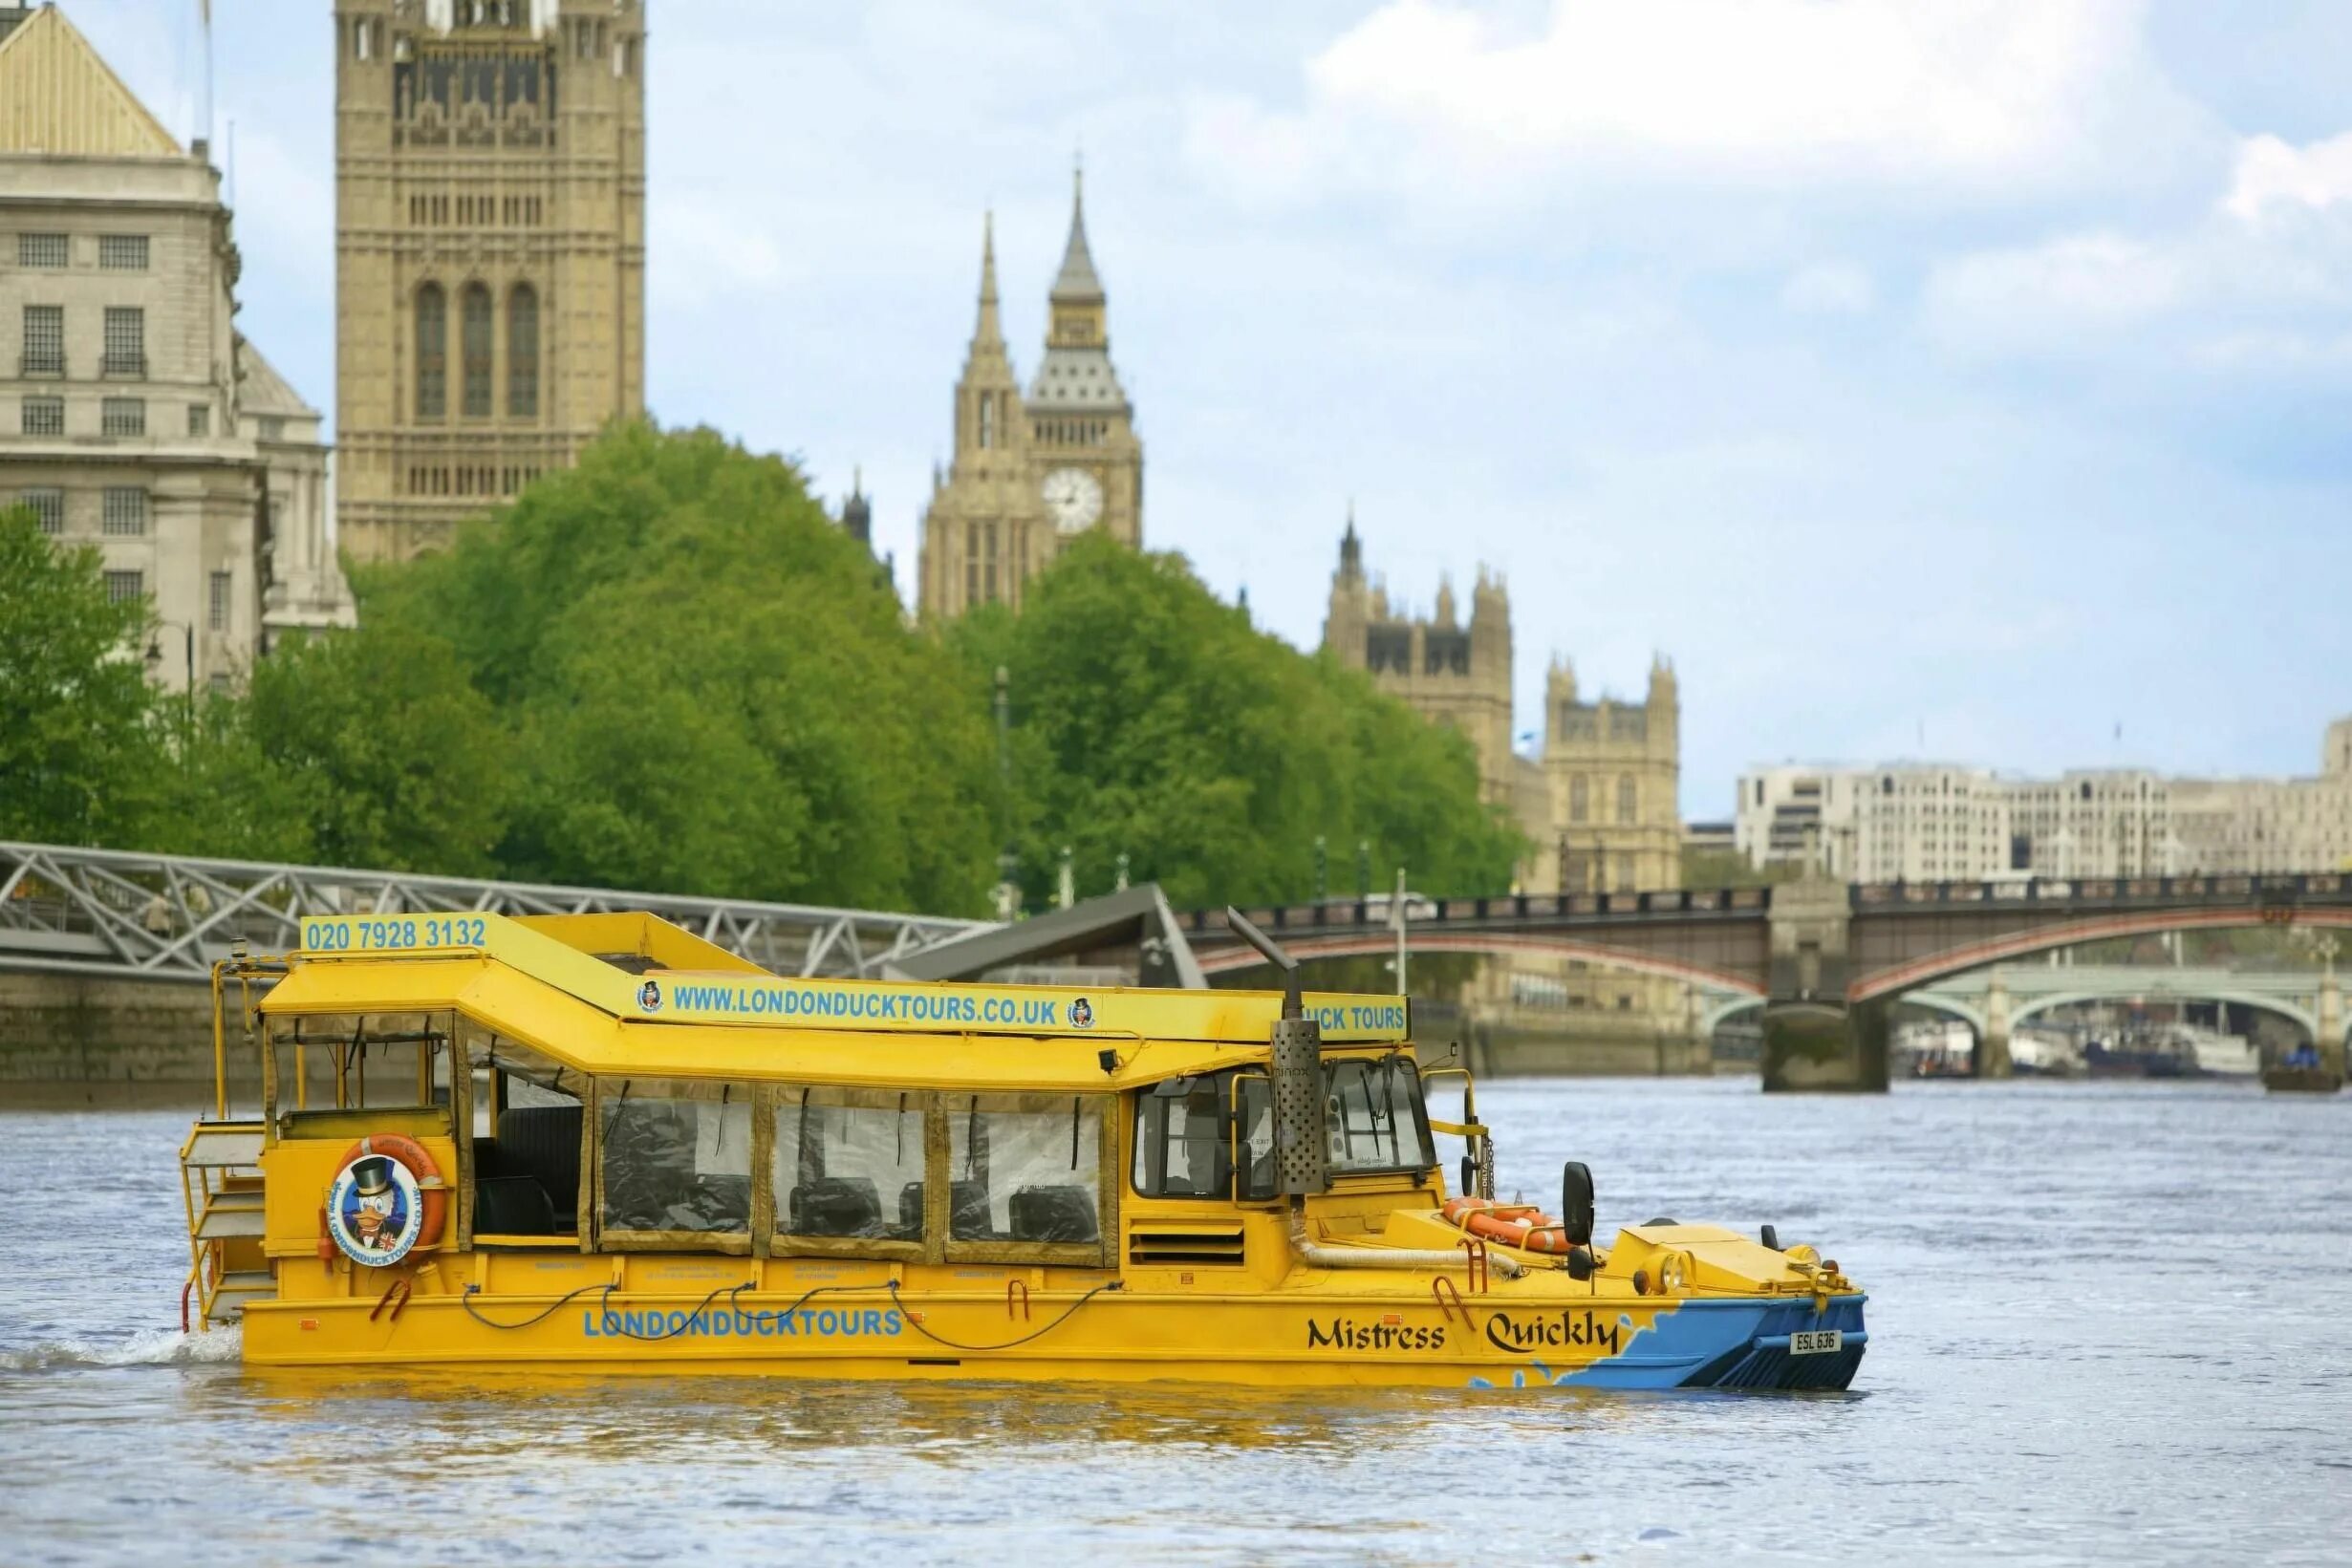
(213,790)
(375,740)
(1151,720)
(711,688)
(76,744)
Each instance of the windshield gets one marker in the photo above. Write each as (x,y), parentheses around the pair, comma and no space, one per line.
(1374,1119)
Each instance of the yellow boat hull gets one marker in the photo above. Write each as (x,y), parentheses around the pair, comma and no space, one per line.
(1324,1328)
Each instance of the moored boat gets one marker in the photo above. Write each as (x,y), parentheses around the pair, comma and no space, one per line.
(598,1142)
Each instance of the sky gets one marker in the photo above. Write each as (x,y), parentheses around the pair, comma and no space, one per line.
(1947,378)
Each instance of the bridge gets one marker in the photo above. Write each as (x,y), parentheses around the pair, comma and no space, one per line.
(1824,959)
(129,916)
(2019,992)
(1986,998)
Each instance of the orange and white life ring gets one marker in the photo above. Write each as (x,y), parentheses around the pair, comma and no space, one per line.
(1521,1225)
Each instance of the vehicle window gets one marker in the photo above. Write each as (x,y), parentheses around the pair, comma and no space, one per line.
(849,1162)
(1256,1109)
(1024,1168)
(363,1060)
(676,1162)
(1181,1148)
(1373,1118)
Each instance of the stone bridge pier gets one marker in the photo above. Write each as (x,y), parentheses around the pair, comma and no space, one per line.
(1813,1039)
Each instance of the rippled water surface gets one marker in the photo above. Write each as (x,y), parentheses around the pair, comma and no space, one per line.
(2108,1323)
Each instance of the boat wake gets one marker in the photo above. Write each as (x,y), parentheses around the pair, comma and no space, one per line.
(150,1347)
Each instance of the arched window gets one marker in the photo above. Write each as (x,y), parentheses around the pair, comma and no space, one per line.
(522,351)
(432,352)
(478,350)
(1576,807)
(988,420)
(1624,798)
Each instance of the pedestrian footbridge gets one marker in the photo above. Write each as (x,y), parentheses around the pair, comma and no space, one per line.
(124,915)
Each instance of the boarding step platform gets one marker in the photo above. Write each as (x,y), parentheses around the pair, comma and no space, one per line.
(227,1298)
(221,1181)
(235,1210)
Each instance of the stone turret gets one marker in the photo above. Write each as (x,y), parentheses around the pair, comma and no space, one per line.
(857,514)
(1455,676)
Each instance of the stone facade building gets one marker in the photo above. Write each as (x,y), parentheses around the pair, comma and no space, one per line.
(133,415)
(1032,469)
(489,252)
(1612,775)
(1920,821)
(1456,674)
(1600,807)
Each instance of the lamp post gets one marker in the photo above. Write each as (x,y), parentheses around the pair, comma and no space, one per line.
(1009,859)
(1323,870)
(1396,917)
(154,662)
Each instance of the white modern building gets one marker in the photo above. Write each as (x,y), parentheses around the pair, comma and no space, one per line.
(133,415)
(1931,821)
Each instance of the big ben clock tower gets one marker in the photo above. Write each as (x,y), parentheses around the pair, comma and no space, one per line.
(1031,473)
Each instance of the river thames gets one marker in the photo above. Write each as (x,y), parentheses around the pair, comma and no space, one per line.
(2108,1325)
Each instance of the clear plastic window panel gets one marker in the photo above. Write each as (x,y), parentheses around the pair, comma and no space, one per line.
(1372,1117)
(849,1162)
(1024,1168)
(676,1163)
(1181,1132)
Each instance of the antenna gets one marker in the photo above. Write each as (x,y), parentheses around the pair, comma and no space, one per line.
(1273,954)
(204,125)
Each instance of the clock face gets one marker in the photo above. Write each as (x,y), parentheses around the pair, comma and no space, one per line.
(1074,497)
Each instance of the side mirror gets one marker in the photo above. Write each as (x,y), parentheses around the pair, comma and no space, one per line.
(1576,1203)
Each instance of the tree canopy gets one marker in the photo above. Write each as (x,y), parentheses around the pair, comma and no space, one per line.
(668,670)
(708,687)
(1149,718)
(75,704)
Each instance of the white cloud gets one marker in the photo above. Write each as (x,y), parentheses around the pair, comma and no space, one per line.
(1830,289)
(2271,171)
(1975,94)
(2050,295)
(2258,279)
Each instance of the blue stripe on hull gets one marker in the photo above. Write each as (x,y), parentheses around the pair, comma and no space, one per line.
(1733,1344)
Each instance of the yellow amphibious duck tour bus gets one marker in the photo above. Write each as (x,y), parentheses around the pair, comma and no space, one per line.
(599,1143)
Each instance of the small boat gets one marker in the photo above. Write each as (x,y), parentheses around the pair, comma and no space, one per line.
(2141,1056)
(2303,1071)
(2044,1053)
(598,1142)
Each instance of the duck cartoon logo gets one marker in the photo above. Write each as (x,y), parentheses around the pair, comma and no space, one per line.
(1082,1014)
(374,1211)
(649,996)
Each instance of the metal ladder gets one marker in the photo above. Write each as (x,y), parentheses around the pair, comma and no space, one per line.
(220,1179)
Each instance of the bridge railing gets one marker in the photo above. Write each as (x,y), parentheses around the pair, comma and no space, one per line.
(1361,914)
(121,913)
(2273,889)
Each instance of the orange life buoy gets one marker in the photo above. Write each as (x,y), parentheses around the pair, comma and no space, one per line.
(1521,1225)
(433,1192)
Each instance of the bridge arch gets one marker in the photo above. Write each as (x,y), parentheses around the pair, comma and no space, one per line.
(1917,974)
(1381,944)
(2302,1018)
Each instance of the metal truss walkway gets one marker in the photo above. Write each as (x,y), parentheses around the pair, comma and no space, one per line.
(142,916)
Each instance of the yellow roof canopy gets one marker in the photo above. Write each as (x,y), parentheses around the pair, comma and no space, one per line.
(630,994)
